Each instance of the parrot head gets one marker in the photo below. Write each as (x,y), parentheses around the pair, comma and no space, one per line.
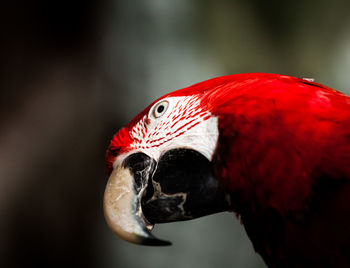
(242,143)
(272,148)
(160,167)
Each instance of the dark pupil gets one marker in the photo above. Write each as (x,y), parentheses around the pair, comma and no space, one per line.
(160,109)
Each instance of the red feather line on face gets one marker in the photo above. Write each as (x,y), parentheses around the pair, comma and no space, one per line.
(184,115)
(145,132)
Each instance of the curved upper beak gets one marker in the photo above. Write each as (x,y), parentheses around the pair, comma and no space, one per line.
(141,192)
(122,201)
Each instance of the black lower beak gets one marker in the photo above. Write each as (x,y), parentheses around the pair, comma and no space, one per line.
(182,188)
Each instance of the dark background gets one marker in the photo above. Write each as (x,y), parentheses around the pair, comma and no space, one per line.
(74,72)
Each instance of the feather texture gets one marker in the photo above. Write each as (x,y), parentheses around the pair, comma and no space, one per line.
(284,155)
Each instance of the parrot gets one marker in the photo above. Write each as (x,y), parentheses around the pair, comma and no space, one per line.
(273,149)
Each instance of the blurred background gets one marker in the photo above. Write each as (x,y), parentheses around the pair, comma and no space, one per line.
(74,72)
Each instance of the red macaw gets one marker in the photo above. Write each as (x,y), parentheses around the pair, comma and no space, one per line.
(273,148)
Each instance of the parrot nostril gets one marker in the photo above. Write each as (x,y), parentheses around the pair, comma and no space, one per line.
(137,162)
(142,167)
(139,166)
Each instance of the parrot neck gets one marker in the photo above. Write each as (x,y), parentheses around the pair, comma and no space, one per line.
(277,136)
(260,163)
(266,154)
(268,147)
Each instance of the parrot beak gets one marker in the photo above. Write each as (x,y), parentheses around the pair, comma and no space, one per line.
(122,198)
(141,192)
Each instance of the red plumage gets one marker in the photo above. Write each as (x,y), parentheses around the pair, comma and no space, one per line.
(283,155)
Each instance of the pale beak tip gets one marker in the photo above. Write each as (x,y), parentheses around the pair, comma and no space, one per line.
(120,204)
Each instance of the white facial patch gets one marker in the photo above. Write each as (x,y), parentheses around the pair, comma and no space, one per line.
(176,122)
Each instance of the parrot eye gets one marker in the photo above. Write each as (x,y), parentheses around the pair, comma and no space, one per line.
(160,109)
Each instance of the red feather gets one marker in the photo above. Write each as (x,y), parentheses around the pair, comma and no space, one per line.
(283,154)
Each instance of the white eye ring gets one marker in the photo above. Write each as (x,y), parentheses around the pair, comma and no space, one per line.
(160,108)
